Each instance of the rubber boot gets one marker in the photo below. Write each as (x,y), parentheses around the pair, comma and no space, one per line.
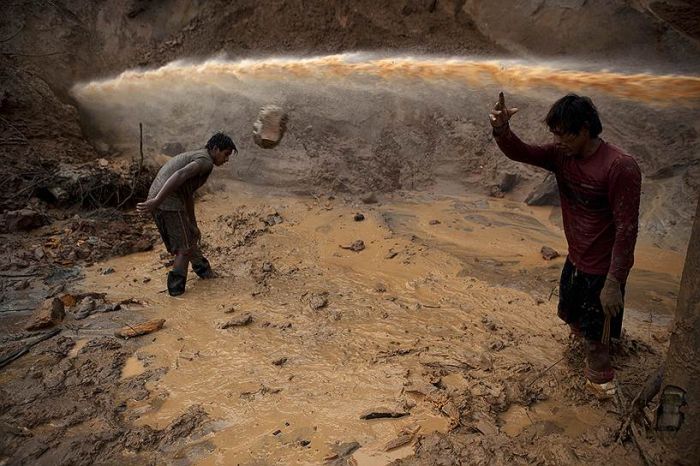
(176,283)
(202,268)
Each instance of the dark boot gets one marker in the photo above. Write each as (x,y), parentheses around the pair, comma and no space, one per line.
(202,268)
(176,283)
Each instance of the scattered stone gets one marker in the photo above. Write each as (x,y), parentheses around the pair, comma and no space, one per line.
(547,193)
(241,321)
(508,182)
(434,222)
(381,413)
(87,306)
(146,279)
(48,314)
(277,432)
(279,361)
(399,441)
(489,324)
(108,270)
(391,254)
(358,217)
(370,198)
(356,246)
(343,450)
(304,442)
(496,345)
(39,253)
(270,126)
(380,288)
(171,149)
(318,301)
(548,253)
(267,267)
(142,328)
(273,219)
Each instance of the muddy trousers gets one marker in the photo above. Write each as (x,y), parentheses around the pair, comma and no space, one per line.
(180,236)
(580,307)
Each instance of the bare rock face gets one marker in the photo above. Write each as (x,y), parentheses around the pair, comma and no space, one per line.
(270,126)
(47,315)
(547,193)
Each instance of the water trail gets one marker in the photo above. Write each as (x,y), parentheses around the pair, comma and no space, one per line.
(510,74)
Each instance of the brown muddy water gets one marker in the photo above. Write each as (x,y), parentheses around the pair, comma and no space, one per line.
(445,278)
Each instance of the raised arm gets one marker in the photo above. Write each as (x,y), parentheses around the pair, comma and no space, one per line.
(511,145)
(171,185)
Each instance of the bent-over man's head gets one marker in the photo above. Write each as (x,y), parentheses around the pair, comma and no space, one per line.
(220,147)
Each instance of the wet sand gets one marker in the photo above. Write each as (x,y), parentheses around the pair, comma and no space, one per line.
(470,291)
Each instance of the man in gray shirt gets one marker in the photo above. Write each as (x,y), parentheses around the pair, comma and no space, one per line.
(171,201)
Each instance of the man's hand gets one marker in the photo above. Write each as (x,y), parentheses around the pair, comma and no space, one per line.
(611,297)
(500,115)
(146,207)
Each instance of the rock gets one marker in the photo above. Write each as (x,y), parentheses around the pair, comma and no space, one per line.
(48,314)
(171,149)
(356,246)
(434,222)
(270,126)
(370,198)
(358,217)
(380,287)
(381,413)
(399,441)
(508,182)
(273,219)
(87,306)
(103,163)
(548,253)
(279,361)
(22,220)
(108,270)
(547,193)
(39,253)
(341,451)
(318,301)
(142,328)
(240,321)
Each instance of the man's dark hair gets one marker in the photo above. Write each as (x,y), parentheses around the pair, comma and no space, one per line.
(571,113)
(221,141)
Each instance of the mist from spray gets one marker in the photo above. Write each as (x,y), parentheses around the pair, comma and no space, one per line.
(361,121)
(511,74)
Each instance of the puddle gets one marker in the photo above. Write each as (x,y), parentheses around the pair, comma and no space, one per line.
(132,367)
(79,344)
(572,420)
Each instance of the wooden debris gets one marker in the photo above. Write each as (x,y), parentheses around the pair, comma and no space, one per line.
(143,328)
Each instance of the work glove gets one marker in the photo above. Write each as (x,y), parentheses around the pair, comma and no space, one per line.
(611,297)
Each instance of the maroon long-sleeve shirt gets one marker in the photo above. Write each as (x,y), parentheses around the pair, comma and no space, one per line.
(599,202)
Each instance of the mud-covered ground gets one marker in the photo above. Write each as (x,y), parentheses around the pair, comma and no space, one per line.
(446,319)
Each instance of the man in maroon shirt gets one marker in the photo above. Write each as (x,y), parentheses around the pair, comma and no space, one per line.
(599,187)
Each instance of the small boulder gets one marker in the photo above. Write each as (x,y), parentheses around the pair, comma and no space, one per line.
(47,315)
(546,193)
(548,253)
(270,126)
(240,321)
